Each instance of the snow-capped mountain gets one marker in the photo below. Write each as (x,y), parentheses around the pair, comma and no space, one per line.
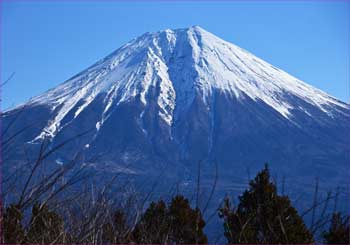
(181,64)
(175,97)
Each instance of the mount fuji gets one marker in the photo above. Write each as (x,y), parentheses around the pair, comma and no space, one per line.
(167,100)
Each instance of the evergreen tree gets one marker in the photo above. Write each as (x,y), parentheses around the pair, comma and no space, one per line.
(263,216)
(187,224)
(339,232)
(116,232)
(154,226)
(12,227)
(176,224)
(45,226)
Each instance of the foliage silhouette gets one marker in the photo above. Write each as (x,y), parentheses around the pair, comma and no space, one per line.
(263,216)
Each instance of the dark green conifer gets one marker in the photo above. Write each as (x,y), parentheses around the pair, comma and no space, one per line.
(339,232)
(116,232)
(12,227)
(263,216)
(187,223)
(154,225)
(45,226)
(176,224)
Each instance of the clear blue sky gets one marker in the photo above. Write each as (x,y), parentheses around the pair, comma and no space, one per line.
(45,42)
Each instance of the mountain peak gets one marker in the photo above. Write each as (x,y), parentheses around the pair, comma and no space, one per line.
(192,31)
(182,64)
(190,28)
(198,29)
(167,100)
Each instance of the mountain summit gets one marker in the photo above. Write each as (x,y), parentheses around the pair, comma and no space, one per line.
(174,67)
(172,98)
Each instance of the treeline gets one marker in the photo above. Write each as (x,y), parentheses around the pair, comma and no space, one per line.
(261,216)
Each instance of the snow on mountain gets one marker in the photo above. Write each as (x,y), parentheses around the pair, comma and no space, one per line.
(182,64)
(167,100)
